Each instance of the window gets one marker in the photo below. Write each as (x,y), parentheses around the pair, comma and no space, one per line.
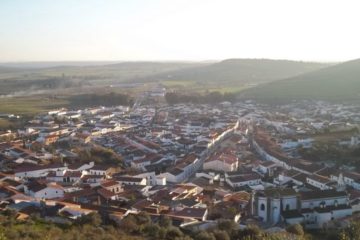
(262,207)
(287,208)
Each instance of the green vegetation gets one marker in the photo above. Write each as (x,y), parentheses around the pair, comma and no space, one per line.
(195,88)
(296,229)
(335,83)
(88,227)
(326,148)
(139,227)
(332,152)
(329,136)
(100,155)
(32,105)
(226,89)
(210,98)
(178,84)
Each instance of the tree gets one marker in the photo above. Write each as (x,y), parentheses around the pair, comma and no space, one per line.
(296,229)
(351,233)
(129,224)
(204,236)
(173,233)
(165,221)
(250,232)
(227,225)
(221,235)
(143,218)
(2,235)
(93,219)
(152,230)
(100,155)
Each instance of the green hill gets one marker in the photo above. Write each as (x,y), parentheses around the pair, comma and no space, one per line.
(240,71)
(340,82)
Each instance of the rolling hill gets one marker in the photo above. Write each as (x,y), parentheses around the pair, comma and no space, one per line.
(239,71)
(20,77)
(231,73)
(340,82)
(121,71)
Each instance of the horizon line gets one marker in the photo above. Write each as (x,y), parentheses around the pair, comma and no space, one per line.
(173,60)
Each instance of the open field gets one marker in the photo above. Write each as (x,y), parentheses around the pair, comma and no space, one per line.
(72,98)
(30,105)
(34,104)
(191,86)
(225,89)
(178,84)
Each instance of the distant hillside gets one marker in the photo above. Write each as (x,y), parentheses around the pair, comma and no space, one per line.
(228,73)
(21,77)
(240,71)
(338,82)
(49,64)
(5,69)
(120,71)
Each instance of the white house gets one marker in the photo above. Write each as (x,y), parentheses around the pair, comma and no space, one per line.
(352,179)
(175,175)
(266,167)
(101,170)
(112,186)
(36,171)
(222,162)
(126,180)
(80,167)
(44,191)
(150,177)
(320,182)
(249,179)
(65,176)
(140,163)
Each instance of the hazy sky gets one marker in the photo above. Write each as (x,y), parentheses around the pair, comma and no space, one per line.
(57,30)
